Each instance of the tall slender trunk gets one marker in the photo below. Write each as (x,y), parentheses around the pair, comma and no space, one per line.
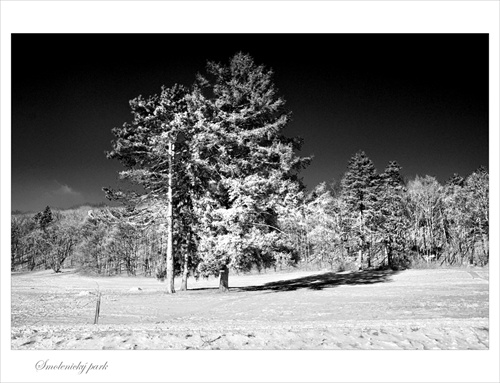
(389,253)
(170,237)
(306,238)
(185,272)
(360,254)
(481,232)
(386,255)
(224,279)
(425,244)
(369,258)
(471,258)
(360,258)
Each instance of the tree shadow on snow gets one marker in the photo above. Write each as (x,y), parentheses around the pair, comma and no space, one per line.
(325,280)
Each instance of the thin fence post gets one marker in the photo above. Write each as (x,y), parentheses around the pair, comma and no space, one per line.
(97,308)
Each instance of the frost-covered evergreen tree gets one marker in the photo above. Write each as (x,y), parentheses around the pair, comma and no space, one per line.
(359,192)
(254,169)
(44,219)
(393,219)
(155,150)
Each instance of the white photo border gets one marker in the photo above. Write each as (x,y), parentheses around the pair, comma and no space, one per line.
(253,17)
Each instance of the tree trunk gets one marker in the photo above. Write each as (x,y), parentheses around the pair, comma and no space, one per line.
(170,237)
(386,255)
(370,253)
(360,254)
(360,258)
(224,279)
(485,250)
(57,264)
(471,258)
(185,272)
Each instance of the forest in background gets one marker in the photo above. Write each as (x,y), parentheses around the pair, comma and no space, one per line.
(420,222)
(217,187)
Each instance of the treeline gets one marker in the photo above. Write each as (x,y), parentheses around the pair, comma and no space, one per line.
(45,240)
(371,219)
(53,239)
(365,220)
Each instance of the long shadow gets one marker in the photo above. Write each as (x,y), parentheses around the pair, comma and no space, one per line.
(325,280)
(317,281)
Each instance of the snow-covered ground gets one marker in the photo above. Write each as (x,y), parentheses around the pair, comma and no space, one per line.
(412,309)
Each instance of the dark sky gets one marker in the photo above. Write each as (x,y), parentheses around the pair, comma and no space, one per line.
(419,99)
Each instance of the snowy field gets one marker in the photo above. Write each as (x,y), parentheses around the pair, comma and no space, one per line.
(412,309)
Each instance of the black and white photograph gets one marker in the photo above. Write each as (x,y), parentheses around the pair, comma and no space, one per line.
(287,191)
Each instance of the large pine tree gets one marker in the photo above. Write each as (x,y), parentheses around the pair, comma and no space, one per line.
(254,167)
(155,150)
(393,220)
(359,192)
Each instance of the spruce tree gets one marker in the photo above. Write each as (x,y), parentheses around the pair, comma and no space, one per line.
(393,220)
(254,168)
(44,219)
(359,192)
(155,150)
